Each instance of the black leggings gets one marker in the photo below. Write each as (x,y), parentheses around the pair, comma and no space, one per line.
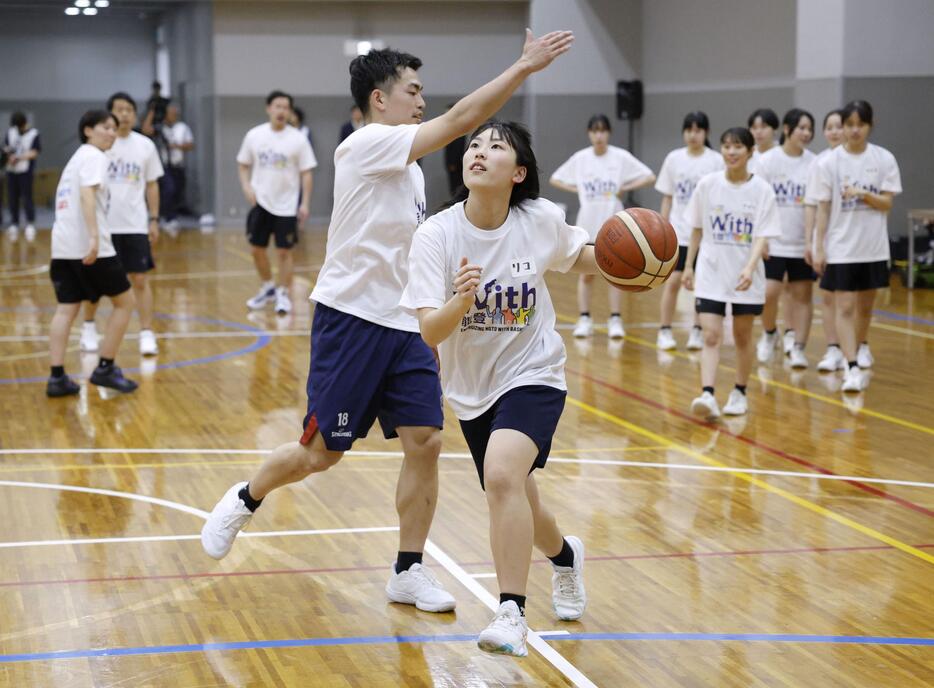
(21,189)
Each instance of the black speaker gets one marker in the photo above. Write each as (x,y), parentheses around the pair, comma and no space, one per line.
(629,99)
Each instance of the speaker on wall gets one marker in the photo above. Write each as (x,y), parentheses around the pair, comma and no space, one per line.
(629,99)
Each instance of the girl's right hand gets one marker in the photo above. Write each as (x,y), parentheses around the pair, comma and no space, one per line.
(466,280)
(687,279)
(820,261)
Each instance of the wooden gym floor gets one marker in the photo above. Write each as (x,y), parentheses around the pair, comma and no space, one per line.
(793,547)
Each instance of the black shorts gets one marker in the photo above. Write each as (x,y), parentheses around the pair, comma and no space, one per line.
(75,282)
(683,259)
(719,307)
(856,276)
(260,224)
(533,410)
(134,251)
(797,269)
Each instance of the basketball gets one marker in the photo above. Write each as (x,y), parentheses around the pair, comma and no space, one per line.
(636,249)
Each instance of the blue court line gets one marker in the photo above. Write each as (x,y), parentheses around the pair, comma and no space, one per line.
(904,318)
(459,638)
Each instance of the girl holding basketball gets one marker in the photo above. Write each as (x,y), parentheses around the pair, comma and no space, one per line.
(733,214)
(504,378)
(600,176)
(681,170)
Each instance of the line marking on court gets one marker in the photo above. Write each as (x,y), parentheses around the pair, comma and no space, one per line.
(483,575)
(811,506)
(168,335)
(904,330)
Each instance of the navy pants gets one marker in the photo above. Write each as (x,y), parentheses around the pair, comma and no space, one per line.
(21,190)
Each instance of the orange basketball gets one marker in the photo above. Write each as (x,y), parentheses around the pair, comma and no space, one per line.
(636,249)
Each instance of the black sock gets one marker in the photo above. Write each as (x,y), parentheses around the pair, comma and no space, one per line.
(565,557)
(665,327)
(105,363)
(787,330)
(833,346)
(707,389)
(89,322)
(58,371)
(853,364)
(615,315)
(585,314)
(697,327)
(799,346)
(772,331)
(518,599)
(741,388)
(864,343)
(248,501)
(405,560)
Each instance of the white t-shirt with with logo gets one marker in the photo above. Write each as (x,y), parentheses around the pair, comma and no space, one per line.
(178,134)
(276,159)
(679,175)
(731,217)
(507,339)
(379,201)
(857,232)
(132,162)
(87,167)
(788,176)
(598,179)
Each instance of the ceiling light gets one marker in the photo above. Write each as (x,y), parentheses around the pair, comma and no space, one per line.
(72,11)
(82,3)
(102,3)
(90,11)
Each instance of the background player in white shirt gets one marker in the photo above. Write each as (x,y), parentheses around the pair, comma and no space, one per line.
(275,163)
(84,263)
(477,282)
(762,125)
(179,140)
(856,185)
(368,359)
(600,176)
(133,174)
(786,168)
(22,145)
(734,214)
(680,172)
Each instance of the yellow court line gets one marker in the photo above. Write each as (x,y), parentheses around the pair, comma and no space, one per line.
(788,388)
(816,508)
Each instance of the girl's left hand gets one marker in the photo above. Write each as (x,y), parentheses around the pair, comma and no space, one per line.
(745,279)
(851,192)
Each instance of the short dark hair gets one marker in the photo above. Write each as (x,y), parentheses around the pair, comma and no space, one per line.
(767,115)
(699,119)
(299,113)
(739,135)
(92,118)
(377,69)
(120,95)
(18,119)
(279,94)
(156,86)
(861,107)
(597,122)
(791,120)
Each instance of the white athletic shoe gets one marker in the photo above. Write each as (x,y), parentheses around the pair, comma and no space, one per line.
(665,340)
(788,342)
(30,233)
(798,359)
(568,597)
(171,228)
(12,232)
(696,339)
(832,360)
(584,327)
(614,327)
(736,404)
(864,356)
(853,380)
(705,406)
(228,517)
(147,343)
(266,293)
(766,346)
(419,586)
(506,633)
(89,338)
(283,302)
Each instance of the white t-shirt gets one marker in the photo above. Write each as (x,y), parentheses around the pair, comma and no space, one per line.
(178,134)
(813,177)
(679,175)
(277,159)
(598,179)
(731,217)
(507,339)
(379,201)
(857,233)
(87,167)
(132,162)
(788,176)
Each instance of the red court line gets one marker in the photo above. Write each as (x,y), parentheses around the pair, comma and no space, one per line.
(755,443)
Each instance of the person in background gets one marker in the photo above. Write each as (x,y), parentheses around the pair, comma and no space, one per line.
(22,147)
(156,107)
(351,125)
(179,141)
(453,153)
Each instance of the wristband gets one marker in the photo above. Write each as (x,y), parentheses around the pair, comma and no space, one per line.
(154,219)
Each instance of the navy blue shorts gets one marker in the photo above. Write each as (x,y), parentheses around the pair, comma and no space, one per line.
(856,276)
(361,371)
(533,410)
(135,252)
(797,269)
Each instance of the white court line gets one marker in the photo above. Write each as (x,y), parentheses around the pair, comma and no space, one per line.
(483,575)
(175,335)
(555,658)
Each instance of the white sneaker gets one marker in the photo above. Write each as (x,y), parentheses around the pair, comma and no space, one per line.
(584,327)
(853,380)
(832,360)
(798,359)
(419,586)
(696,339)
(864,356)
(266,293)
(788,342)
(147,343)
(228,517)
(283,302)
(30,233)
(506,633)
(766,346)
(568,597)
(736,404)
(665,340)
(89,338)
(705,406)
(12,232)
(614,327)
